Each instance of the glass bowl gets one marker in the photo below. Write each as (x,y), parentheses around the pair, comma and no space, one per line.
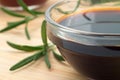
(87,35)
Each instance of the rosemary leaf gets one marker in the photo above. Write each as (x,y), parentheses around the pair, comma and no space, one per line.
(25,47)
(44,33)
(37,12)
(22,63)
(12,25)
(38,55)
(68,12)
(57,56)
(47,60)
(25,7)
(26,31)
(12,13)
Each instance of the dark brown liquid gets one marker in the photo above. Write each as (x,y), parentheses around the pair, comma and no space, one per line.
(13,3)
(94,61)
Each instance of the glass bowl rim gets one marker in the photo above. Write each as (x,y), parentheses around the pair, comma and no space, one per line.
(71,30)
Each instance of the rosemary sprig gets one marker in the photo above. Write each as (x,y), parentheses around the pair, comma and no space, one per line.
(25,19)
(41,51)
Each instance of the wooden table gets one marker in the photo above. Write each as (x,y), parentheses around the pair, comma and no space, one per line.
(38,70)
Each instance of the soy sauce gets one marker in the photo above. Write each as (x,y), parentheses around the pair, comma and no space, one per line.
(100,62)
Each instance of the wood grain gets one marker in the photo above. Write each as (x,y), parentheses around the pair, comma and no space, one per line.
(38,70)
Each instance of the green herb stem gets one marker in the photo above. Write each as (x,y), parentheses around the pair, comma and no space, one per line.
(12,13)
